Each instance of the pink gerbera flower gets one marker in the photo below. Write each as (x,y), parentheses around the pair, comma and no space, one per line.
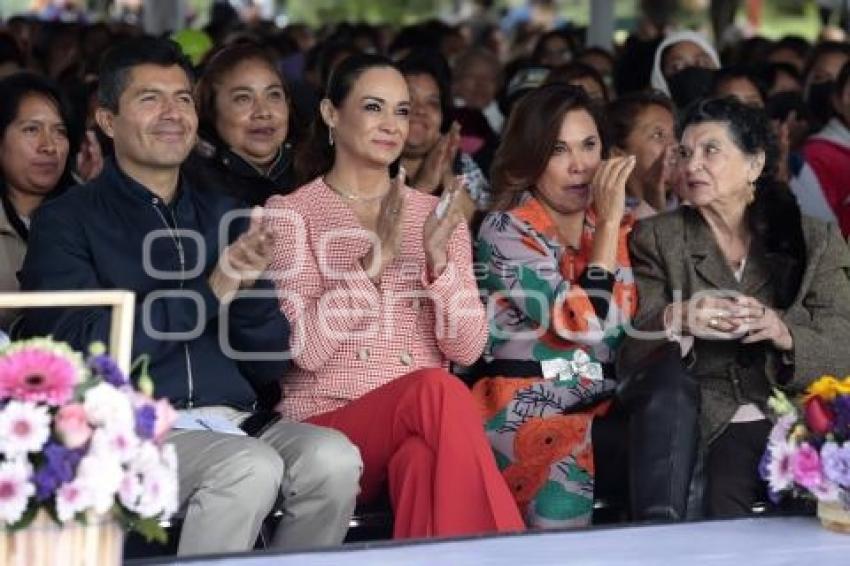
(39,375)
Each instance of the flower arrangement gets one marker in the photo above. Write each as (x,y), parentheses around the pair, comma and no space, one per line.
(808,451)
(79,442)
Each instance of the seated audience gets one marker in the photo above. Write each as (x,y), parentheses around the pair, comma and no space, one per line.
(431,150)
(822,68)
(476,80)
(98,236)
(584,76)
(243,109)
(821,186)
(553,48)
(378,285)
(560,290)
(755,294)
(35,142)
(643,125)
(741,83)
(684,66)
(601,60)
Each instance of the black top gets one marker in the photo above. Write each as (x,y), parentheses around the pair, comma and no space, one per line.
(95,237)
(220,169)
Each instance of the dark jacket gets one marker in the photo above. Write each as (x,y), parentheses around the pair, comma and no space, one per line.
(677,252)
(95,236)
(211,168)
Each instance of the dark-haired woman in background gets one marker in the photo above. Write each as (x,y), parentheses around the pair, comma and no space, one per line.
(432,150)
(35,142)
(243,111)
(643,124)
(741,83)
(378,287)
(584,76)
(755,294)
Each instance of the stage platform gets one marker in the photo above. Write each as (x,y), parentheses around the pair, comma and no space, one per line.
(782,541)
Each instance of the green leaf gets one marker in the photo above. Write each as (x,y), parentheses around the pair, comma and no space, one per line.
(97,348)
(577,474)
(144,382)
(502,461)
(497,421)
(530,282)
(151,530)
(27,517)
(555,502)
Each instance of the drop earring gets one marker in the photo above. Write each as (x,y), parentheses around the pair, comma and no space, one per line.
(331,137)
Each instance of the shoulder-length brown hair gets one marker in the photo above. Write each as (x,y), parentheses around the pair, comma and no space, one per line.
(215,68)
(530,137)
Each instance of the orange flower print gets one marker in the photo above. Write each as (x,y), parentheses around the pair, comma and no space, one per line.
(572,313)
(525,479)
(625,297)
(493,394)
(547,440)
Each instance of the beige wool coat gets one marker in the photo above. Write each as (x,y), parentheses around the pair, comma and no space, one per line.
(677,251)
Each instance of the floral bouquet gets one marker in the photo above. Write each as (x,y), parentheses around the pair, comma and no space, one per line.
(808,452)
(78,442)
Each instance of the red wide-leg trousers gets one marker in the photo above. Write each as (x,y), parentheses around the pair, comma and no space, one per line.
(421,435)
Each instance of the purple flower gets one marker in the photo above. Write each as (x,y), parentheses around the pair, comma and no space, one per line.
(836,463)
(841,406)
(805,466)
(764,465)
(59,466)
(105,367)
(146,421)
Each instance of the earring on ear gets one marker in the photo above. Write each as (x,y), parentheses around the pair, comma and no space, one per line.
(331,137)
(751,195)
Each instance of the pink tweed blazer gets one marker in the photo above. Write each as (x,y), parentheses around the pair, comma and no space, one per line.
(349,336)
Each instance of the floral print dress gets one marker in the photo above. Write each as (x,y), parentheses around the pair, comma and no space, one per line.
(546,305)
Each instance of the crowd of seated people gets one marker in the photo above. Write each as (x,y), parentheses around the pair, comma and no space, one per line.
(466,273)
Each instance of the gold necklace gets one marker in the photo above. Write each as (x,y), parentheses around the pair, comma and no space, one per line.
(353,198)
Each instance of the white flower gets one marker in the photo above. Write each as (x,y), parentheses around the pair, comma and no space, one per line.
(24,427)
(15,490)
(107,406)
(780,473)
(117,442)
(102,475)
(827,491)
(779,432)
(150,487)
(130,490)
(171,493)
(72,498)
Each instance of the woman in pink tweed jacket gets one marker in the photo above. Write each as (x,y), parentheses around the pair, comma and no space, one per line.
(376,279)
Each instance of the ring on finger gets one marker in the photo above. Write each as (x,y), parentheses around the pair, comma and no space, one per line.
(713,322)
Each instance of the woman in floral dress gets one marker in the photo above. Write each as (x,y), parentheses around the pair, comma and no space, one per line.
(560,290)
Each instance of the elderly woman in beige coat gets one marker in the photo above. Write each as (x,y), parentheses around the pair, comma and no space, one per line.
(756,296)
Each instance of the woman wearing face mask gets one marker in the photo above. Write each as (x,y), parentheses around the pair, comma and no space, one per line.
(683,67)
(243,111)
(376,280)
(745,293)
(819,76)
(821,186)
(34,147)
